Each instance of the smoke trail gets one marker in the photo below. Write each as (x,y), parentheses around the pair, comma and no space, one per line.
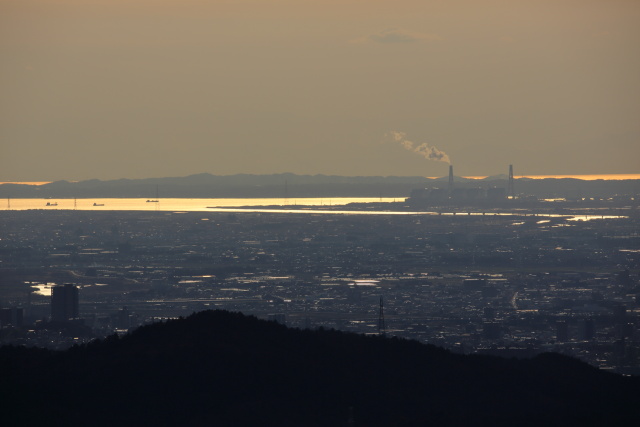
(427,151)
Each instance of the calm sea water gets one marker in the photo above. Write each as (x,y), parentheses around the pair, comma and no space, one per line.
(244,205)
(187,205)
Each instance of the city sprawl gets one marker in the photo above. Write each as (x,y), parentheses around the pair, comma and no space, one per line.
(511,285)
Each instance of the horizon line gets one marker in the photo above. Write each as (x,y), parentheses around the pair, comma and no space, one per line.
(584,177)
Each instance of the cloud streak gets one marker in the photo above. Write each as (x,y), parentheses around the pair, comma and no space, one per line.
(427,151)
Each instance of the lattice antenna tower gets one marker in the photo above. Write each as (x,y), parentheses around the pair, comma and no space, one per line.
(382,328)
(511,189)
(286,192)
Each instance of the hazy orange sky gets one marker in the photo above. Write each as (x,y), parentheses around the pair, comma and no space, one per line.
(146,88)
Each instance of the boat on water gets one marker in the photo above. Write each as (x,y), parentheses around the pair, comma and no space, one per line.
(154,200)
(98,204)
(52,204)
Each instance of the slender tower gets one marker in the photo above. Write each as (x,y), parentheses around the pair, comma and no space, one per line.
(382,328)
(450,179)
(286,193)
(510,189)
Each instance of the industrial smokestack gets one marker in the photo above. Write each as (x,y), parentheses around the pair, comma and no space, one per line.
(450,179)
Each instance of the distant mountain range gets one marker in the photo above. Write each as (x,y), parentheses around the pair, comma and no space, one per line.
(289,185)
(217,368)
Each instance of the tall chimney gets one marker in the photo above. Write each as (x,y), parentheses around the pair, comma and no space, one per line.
(450,179)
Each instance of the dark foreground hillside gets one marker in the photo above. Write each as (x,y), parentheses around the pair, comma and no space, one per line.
(217,368)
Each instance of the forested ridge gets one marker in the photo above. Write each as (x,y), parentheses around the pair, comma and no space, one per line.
(218,368)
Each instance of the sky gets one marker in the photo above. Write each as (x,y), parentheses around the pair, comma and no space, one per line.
(113,89)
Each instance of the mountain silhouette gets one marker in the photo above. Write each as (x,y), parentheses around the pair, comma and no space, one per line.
(288,185)
(217,368)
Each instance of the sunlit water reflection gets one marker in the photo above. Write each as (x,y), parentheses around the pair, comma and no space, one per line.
(179,204)
(268,205)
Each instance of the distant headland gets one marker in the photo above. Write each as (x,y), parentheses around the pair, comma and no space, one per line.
(288,185)
(584,177)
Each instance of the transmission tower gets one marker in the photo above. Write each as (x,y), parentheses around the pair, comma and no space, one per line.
(382,329)
(286,193)
(511,193)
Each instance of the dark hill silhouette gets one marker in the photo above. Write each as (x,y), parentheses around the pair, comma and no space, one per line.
(217,368)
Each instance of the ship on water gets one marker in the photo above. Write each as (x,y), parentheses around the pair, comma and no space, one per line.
(154,200)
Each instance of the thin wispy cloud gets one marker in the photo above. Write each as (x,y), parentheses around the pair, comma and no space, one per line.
(397,35)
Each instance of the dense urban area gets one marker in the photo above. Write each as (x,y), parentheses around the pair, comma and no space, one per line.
(506,282)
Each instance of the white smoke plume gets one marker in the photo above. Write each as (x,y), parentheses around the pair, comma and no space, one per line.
(427,151)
